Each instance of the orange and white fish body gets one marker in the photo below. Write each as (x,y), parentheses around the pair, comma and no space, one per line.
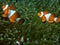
(21,40)
(46,16)
(11,14)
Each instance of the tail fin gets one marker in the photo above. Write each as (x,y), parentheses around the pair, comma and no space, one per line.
(57,20)
(20,20)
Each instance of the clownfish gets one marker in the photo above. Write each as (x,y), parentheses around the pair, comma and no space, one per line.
(46,16)
(9,11)
(21,40)
(6,9)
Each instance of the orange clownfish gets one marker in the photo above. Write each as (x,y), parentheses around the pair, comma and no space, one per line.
(6,9)
(46,16)
(22,40)
(11,14)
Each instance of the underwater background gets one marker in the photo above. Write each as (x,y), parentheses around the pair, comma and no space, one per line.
(42,33)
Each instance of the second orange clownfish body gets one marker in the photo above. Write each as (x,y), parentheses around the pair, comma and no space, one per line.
(11,14)
(21,40)
(46,16)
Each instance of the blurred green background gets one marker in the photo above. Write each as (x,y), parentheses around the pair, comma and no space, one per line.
(40,33)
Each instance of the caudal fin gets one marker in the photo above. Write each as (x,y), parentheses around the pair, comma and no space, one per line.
(20,20)
(57,20)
